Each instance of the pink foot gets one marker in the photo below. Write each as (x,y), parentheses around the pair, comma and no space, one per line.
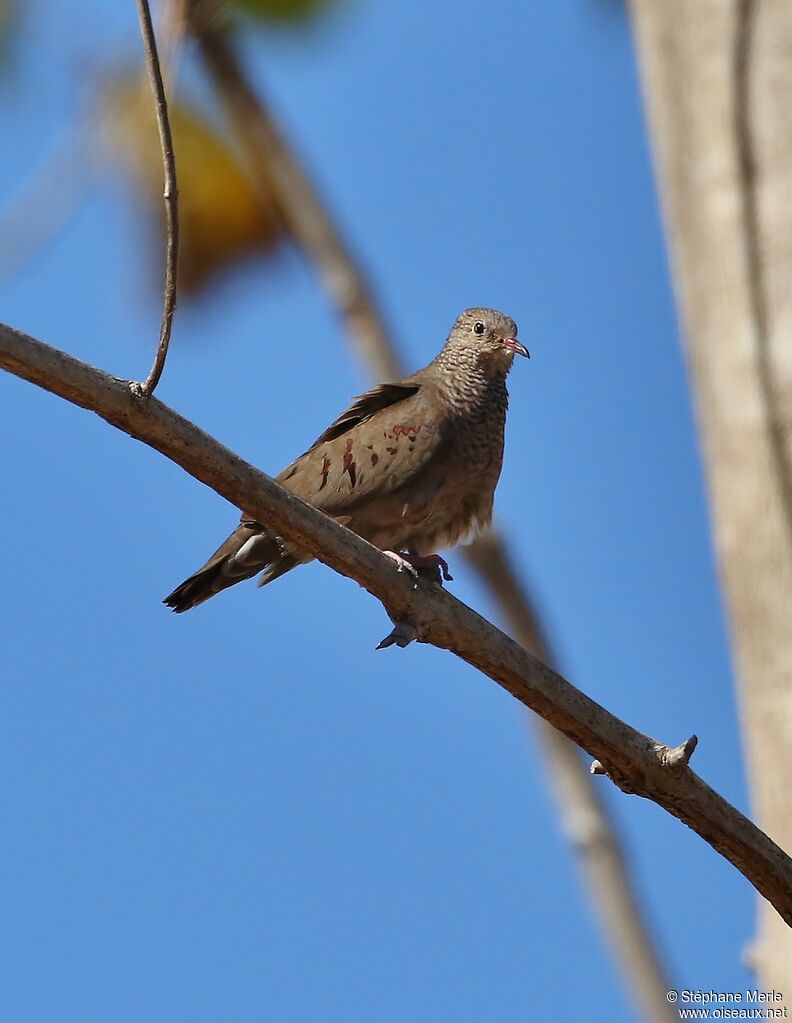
(425,566)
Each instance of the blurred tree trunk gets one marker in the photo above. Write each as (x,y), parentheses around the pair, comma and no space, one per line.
(717,79)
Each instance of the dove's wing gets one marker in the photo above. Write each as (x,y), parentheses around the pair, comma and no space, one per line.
(365,406)
(379,445)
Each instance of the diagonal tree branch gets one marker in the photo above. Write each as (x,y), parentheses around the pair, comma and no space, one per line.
(580,804)
(636,762)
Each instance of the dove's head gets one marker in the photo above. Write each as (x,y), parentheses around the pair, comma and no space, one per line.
(486,336)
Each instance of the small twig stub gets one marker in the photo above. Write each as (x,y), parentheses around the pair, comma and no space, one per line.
(677,757)
(673,758)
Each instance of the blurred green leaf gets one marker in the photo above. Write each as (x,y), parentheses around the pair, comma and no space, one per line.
(283,12)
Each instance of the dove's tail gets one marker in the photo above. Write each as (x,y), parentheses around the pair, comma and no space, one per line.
(249,550)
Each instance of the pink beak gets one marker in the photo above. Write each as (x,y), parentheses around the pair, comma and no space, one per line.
(511,344)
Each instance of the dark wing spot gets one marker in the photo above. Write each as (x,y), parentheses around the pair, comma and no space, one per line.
(326,463)
(408,429)
(349,464)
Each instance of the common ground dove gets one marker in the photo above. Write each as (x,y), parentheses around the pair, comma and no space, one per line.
(410,466)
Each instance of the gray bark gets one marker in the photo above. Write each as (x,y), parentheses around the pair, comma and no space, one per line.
(717,78)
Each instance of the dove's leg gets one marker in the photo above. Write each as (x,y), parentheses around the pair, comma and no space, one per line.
(432,563)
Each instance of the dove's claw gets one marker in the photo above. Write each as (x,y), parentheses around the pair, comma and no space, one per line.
(424,566)
(403,563)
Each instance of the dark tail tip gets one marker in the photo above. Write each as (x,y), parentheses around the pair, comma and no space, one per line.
(176,601)
(193,591)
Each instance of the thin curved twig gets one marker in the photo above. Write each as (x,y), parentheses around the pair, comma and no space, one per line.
(170,195)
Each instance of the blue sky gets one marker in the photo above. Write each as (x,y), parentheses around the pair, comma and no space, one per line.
(245,812)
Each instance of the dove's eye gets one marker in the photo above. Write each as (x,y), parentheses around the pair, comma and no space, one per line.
(478,327)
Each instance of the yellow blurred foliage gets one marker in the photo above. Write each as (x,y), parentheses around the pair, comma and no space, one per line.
(223,220)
